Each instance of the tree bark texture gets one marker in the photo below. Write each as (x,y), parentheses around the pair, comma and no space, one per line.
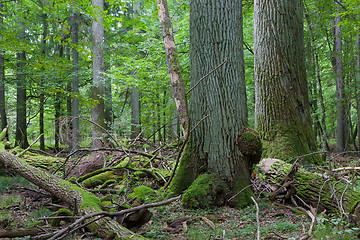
(218,103)
(282,109)
(75,82)
(340,114)
(2,79)
(80,200)
(21,126)
(177,82)
(97,91)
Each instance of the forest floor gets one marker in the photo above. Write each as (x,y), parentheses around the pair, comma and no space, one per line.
(23,205)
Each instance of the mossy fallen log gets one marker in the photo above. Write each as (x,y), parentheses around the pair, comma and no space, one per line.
(80,200)
(301,187)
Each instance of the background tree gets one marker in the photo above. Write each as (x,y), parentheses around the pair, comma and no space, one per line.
(97,112)
(215,37)
(2,77)
(21,124)
(282,109)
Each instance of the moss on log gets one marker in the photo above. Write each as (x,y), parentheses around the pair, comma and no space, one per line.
(318,190)
(80,200)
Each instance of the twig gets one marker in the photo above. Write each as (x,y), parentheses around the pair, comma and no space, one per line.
(106,131)
(59,233)
(206,76)
(238,193)
(257,218)
(346,168)
(22,153)
(181,150)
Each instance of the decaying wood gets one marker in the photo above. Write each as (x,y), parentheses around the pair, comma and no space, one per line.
(308,189)
(177,82)
(68,193)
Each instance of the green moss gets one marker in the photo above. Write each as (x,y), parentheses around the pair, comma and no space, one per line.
(107,183)
(186,172)
(207,191)
(60,212)
(142,193)
(288,142)
(99,179)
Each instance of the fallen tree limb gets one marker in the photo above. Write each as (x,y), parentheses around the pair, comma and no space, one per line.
(302,188)
(82,202)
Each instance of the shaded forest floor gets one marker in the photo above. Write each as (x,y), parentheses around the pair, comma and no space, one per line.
(23,205)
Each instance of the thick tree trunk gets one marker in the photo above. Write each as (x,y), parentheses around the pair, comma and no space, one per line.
(282,109)
(218,104)
(317,190)
(81,201)
(340,114)
(75,82)
(177,82)
(97,91)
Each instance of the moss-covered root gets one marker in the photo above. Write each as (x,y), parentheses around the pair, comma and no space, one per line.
(207,191)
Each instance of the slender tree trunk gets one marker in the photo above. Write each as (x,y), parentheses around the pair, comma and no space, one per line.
(2,80)
(177,83)
(108,100)
(358,84)
(42,81)
(324,144)
(282,109)
(75,83)
(97,91)
(135,112)
(21,125)
(340,129)
(68,134)
(218,104)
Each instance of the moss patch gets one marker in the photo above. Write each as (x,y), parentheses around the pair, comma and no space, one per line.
(207,191)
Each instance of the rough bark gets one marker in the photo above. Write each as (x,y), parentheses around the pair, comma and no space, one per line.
(282,109)
(21,126)
(321,191)
(340,114)
(97,90)
(216,35)
(75,82)
(177,82)
(80,200)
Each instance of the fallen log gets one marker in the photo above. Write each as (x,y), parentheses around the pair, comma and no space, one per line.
(303,188)
(81,201)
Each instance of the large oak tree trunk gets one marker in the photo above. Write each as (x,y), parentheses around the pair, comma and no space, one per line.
(80,200)
(282,109)
(216,36)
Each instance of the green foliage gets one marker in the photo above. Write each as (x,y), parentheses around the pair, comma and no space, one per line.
(143,194)
(7,183)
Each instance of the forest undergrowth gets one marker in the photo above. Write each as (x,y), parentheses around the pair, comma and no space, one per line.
(24,206)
